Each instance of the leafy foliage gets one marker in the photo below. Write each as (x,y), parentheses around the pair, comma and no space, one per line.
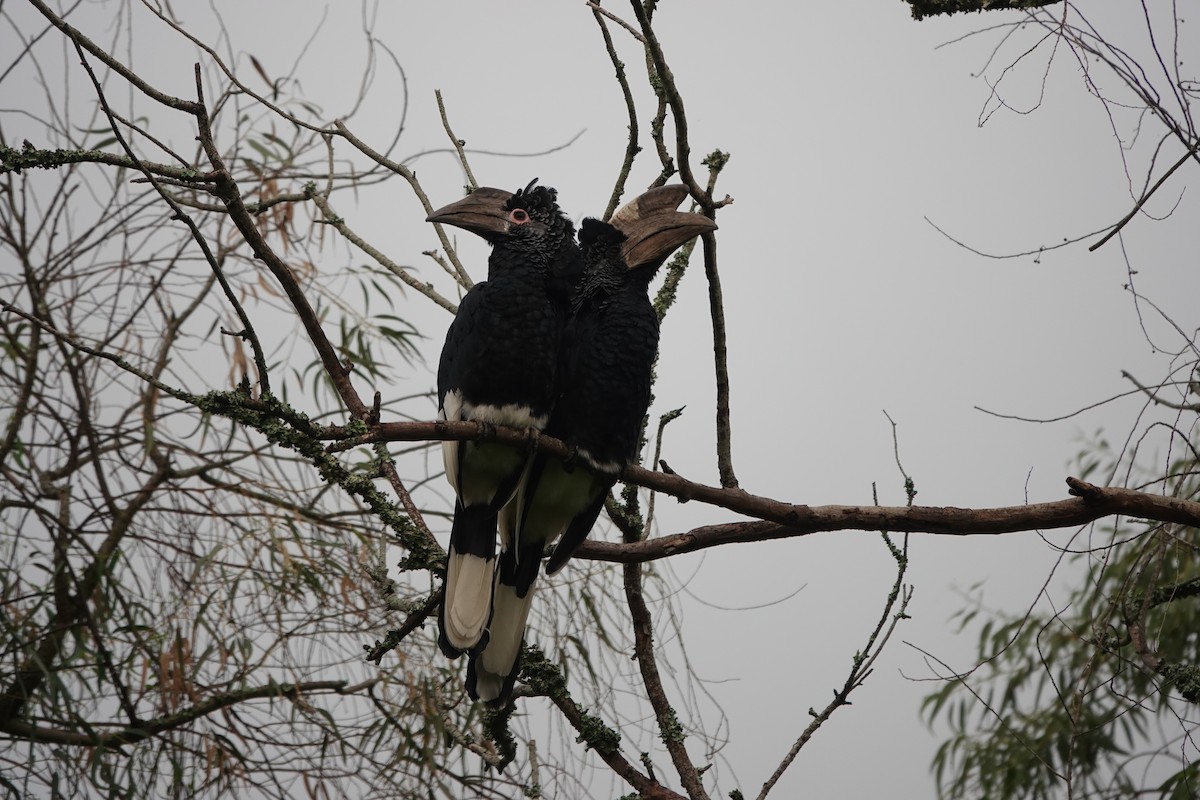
(1094,699)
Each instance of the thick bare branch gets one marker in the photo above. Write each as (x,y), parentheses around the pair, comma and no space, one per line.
(780,519)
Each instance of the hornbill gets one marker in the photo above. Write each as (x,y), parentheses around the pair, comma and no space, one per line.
(604,367)
(498,367)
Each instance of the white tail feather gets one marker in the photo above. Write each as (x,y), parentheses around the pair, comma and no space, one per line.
(468,598)
(493,665)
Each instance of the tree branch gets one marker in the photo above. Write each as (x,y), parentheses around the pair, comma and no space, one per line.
(1148,194)
(671,94)
(116,66)
(229,193)
(631,143)
(669,728)
(778,519)
(404,172)
(930,8)
(716,305)
(321,201)
(136,733)
(545,679)
(458,143)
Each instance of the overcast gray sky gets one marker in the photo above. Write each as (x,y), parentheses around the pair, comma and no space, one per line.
(849,127)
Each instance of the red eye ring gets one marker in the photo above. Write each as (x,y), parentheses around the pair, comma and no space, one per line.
(518,216)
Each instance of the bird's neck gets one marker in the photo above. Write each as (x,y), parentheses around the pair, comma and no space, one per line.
(597,286)
(541,258)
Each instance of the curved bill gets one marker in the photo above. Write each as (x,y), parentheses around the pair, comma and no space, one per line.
(654,229)
(482,212)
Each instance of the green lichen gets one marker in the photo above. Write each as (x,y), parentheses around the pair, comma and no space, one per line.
(716,161)
(598,736)
(672,731)
(665,298)
(495,726)
(545,678)
(930,8)
(286,427)
(30,157)
(1185,677)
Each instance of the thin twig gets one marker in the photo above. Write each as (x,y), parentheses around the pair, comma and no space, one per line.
(716,305)
(247,334)
(147,729)
(631,142)
(683,147)
(233,79)
(598,10)
(321,201)
(408,175)
(229,193)
(1152,394)
(116,66)
(458,143)
(663,421)
(863,663)
(1146,196)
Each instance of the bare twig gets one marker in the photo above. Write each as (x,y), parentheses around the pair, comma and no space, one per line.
(247,333)
(408,175)
(720,364)
(598,10)
(1152,393)
(683,147)
(663,421)
(863,663)
(1147,195)
(321,201)
(77,37)
(631,142)
(458,143)
(146,729)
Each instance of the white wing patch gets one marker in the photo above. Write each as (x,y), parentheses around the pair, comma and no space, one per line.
(455,409)
(510,414)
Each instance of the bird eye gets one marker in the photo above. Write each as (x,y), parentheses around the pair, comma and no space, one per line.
(518,216)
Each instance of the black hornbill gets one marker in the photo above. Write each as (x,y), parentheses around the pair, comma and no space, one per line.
(604,374)
(498,367)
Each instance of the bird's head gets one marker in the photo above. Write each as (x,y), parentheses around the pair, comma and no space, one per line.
(653,229)
(527,215)
(602,244)
(525,227)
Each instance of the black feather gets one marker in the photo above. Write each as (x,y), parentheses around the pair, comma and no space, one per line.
(499,366)
(603,382)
